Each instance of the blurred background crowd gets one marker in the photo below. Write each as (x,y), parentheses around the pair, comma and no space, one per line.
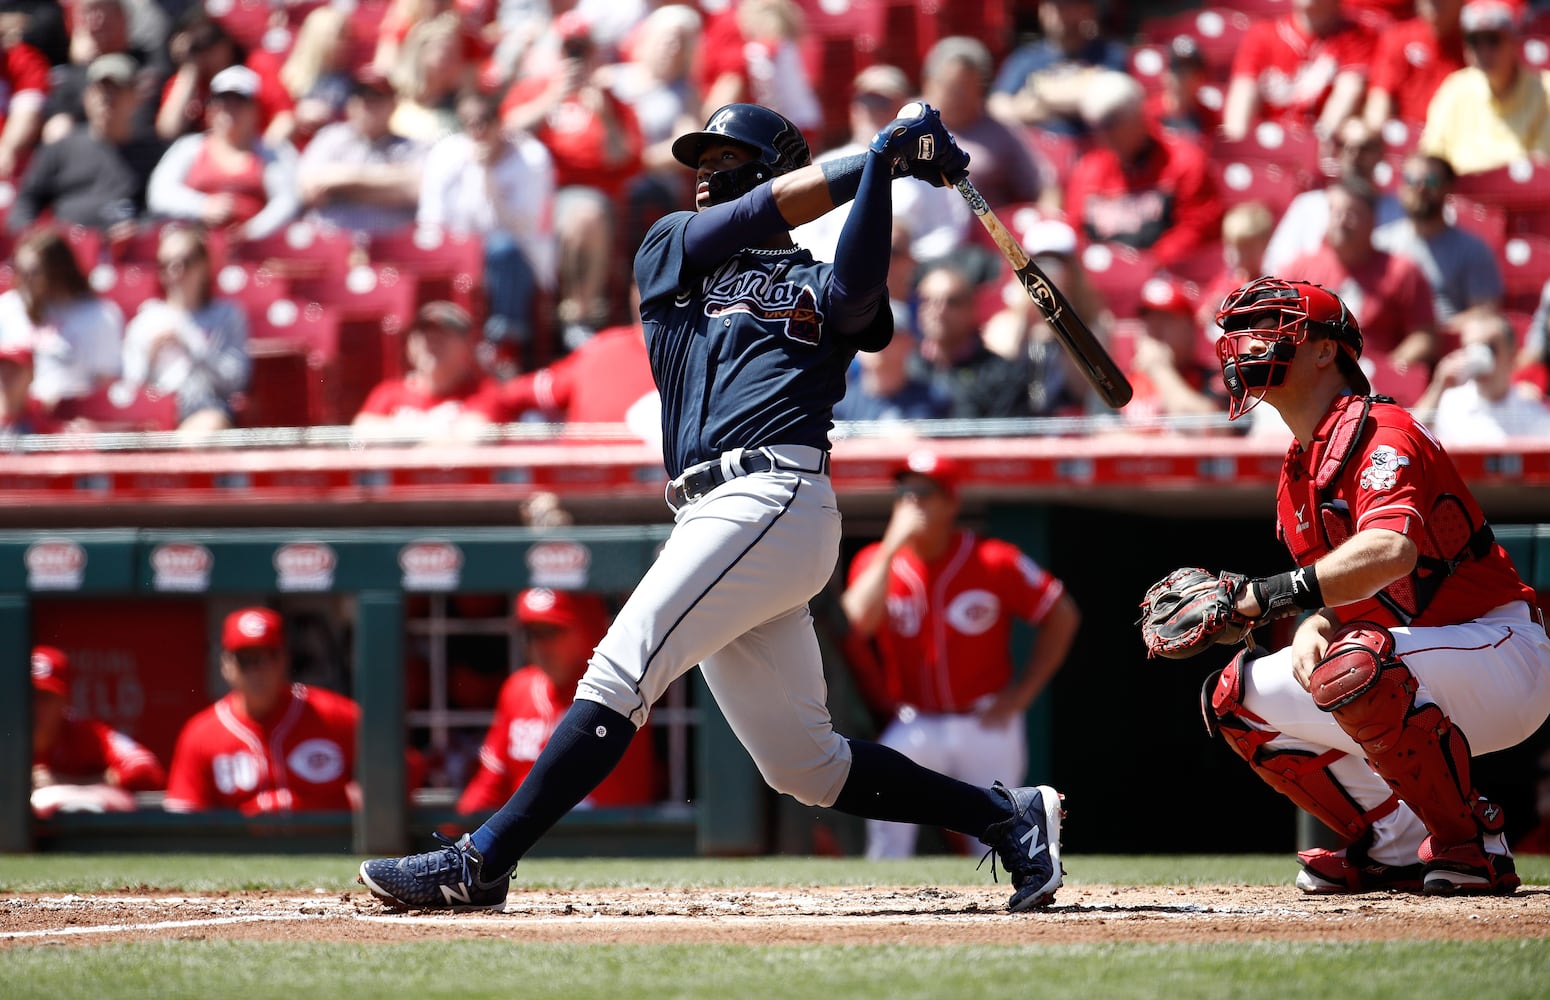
(417,216)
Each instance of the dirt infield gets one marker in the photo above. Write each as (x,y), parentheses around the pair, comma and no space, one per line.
(824,915)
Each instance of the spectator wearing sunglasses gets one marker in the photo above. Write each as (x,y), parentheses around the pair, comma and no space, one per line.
(1460,266)
(1497,108)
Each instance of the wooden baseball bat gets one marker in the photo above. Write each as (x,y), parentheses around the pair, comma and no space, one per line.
(1075,336)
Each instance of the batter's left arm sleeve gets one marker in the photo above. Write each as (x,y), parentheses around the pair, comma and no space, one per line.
(858,289)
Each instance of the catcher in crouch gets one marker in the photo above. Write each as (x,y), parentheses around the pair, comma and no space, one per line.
(1422,645)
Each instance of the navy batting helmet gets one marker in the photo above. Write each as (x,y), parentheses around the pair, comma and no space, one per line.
(778,143)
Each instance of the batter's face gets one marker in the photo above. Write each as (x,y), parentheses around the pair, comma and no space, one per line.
(716,157)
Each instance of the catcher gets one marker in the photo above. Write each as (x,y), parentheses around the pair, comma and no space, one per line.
(1421,646)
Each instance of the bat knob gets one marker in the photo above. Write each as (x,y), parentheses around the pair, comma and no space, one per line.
(913,109)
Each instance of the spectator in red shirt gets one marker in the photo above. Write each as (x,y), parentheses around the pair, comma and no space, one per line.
(1389,295)
(1307,67)
(596,142)
(445,391)
(269,745)
(752,54)
(1140,186)
(80,764)
(1411,60)
(937,603)
(23,91)
(607,380)
(561,629)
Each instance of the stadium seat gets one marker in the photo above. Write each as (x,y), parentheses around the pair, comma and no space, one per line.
(288,326)
(1117,273)
(1525,264)
(246,21)
(1217,32)
(1293,149)
(1523,185)
(110,410)
(300,250)
(1489,222)
(128,286)
(446,265)
(253,286)
(374,305)
(1270,184)
(1060,151)
(279,392)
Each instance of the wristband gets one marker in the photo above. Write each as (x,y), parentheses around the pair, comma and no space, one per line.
(843,175)
(1298,588)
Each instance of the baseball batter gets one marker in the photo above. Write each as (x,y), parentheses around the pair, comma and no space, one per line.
(1423,646)
(749,340)
(938,602)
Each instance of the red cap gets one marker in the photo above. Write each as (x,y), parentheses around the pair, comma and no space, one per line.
(50,671)
(253,628)
(1167,295)
(939,469)
(564,608)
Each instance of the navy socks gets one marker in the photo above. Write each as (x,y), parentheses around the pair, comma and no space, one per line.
(884,784)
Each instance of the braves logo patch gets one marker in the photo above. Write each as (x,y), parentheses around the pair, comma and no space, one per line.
(1383,468)
(791,306)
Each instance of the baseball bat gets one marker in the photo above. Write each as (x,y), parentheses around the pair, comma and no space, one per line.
(1075,335)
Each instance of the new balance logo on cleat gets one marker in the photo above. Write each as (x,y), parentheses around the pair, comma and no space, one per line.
(455,894)
(1031,838)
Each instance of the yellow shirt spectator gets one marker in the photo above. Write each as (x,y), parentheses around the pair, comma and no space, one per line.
(1474,131)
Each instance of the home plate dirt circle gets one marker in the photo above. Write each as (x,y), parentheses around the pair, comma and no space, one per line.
(771,916)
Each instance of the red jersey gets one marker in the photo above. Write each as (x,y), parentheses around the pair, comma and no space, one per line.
(1396,477)
(596,383)
(92,748)
(1409,65)
(302,759)
(1294,71)
(575,136)
(1389,295)
(23,70)
(1166,201)
(406,400)
(529,708)
(245,184)
(945,641)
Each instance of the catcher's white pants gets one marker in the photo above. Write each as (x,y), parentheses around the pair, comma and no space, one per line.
(1491,676)
(729,592)
(957,745)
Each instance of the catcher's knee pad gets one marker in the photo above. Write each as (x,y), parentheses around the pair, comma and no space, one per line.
(1301,775)
(1417,749)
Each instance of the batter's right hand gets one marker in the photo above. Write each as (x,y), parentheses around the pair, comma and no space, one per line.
(917,144)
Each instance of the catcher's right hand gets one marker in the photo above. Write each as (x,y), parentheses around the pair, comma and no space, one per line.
(1190,609)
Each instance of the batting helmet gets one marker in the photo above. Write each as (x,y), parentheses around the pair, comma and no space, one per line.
(1297,310)
(778,143)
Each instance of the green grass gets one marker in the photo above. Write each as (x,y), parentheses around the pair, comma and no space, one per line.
(508,967)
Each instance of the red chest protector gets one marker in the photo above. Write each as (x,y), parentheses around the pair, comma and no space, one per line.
(1450,534)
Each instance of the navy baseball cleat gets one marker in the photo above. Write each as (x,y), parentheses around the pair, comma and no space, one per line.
(448,878)
(1028,845)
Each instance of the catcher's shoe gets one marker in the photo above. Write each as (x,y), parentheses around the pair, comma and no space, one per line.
(1350,870)
(448,878)
(1467,869)
(1028,845)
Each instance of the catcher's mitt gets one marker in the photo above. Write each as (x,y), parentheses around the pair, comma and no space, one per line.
(1190,609)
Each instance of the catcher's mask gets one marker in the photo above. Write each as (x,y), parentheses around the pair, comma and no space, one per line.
(776,142)
(1255,357)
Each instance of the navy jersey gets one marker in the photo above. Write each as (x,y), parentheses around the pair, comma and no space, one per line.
(742,356)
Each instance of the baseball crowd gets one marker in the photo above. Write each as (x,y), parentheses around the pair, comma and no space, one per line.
(162,161)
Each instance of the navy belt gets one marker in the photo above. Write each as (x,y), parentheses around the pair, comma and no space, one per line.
(698,480)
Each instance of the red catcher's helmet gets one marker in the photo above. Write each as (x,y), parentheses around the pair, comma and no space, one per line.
(1298,309)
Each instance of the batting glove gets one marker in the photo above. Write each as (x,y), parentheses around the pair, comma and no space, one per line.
(917,144)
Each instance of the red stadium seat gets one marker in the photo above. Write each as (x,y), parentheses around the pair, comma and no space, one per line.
(1520,186)
(288,326)
(1060,151)
(1217,32)
(142,411)
(1117,273)
(1294,149)
(447,265)
(128,286)
(1271,184)
(1489,222)
(374,306)
(279,390)
(300,250)
(1525,264)
(253,286)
